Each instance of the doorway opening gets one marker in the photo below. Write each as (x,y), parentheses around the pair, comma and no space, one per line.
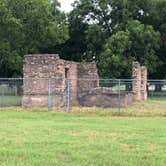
(66,73)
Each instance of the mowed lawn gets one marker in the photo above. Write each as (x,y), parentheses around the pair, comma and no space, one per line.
(71,139)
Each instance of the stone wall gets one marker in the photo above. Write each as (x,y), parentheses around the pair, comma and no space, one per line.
(72,73)
(88,76)
(105,97)
(37,69)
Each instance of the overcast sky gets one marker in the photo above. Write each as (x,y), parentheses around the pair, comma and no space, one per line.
(66,5)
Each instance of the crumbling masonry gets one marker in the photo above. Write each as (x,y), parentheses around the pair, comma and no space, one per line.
(45,75)
(39,68)
(139,82)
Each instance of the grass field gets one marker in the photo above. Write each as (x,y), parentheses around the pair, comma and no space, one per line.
(87,138)
(154,107)
(10,100)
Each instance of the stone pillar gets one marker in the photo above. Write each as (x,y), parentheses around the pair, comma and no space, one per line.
(143,83)
(38,69)
(136,81)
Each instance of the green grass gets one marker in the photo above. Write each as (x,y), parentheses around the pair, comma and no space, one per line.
(92,137)
(155,107)
(10,100)
(154,94)
(7,89)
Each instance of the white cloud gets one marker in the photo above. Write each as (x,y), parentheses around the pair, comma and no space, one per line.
(66,5)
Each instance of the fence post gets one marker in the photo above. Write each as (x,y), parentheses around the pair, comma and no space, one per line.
(119,96)
(67,95)
(49,95)
(0,96)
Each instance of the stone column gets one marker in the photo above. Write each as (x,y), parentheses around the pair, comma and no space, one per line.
(143,83)
(136,81)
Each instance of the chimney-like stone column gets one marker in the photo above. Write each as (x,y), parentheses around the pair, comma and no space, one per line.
(143,83)
(136,81)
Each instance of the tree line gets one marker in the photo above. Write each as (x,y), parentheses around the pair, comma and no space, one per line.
(113,33)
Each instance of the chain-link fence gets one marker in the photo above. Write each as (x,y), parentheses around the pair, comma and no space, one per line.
(53,93)
(156,89)
(104,93)
(11,92)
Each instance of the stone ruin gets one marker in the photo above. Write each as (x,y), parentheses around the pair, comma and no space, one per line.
(38,69)
(139,83)
(45,78)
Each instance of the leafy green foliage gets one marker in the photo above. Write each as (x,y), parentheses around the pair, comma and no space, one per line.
(111,32)
(105,19)
(112,62)
(157,18)
(32,26)
(137,43)
(10,29)
(75,47)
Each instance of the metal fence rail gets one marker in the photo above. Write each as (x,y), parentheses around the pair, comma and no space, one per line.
(67,93)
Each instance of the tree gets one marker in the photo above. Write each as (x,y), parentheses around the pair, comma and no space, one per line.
(75,47)
(138,42)
(157,18)
(112,63)
(41,27)
(10,30)
(100,20)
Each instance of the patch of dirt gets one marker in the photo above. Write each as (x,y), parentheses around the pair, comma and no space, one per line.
(127,147)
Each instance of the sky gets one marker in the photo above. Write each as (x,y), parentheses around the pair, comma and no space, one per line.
(66,5)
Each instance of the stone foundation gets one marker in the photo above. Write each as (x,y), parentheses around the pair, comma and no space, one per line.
(105,97)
